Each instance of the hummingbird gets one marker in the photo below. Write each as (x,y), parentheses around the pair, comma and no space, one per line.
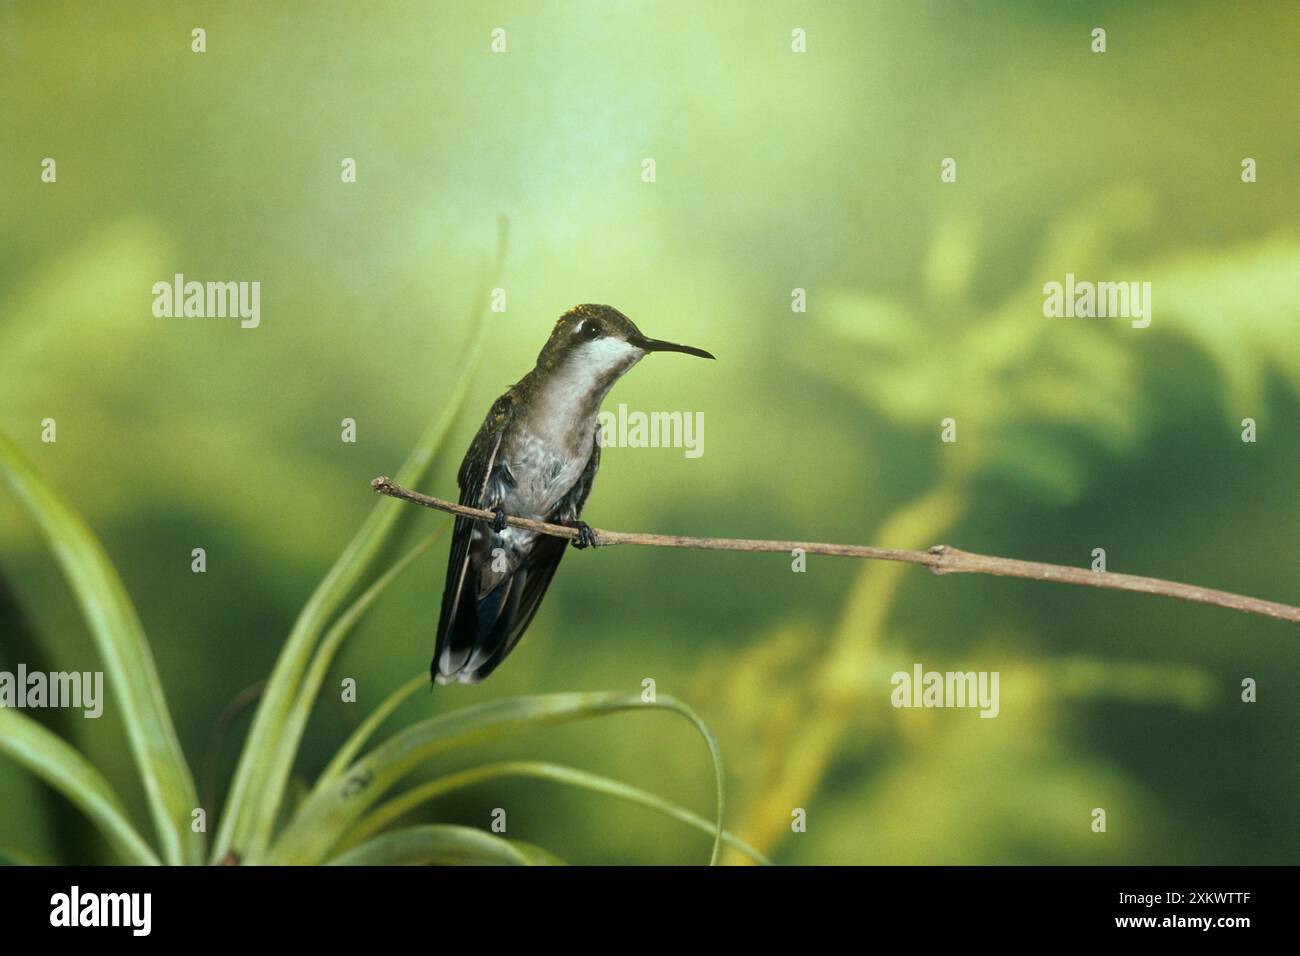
(535,456)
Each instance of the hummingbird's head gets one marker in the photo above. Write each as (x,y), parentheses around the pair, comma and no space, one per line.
(603,342)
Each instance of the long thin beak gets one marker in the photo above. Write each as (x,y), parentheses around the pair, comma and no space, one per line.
(659,345)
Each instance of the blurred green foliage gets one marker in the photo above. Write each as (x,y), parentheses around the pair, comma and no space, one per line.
(774,171)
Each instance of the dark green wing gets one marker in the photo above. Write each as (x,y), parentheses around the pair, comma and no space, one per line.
(456,627)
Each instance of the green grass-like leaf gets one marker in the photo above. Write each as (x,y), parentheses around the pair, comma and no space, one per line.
(437,843)
(398,807)
(56,762)
(128,662)
(340,800)
(366,729)
(296,724)
(536,855)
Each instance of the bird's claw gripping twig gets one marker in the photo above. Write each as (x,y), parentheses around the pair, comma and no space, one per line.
(499,520)
(586,537)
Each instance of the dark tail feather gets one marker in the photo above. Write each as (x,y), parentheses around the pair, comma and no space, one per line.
(479,632)
(474,636)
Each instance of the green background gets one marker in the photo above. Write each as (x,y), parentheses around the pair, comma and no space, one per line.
(775,171)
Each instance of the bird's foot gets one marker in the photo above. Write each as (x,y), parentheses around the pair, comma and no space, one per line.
(586,537)
(499,520)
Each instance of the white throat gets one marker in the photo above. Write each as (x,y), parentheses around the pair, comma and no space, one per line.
(577,388)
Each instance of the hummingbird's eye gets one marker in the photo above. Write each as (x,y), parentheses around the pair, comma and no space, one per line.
(590,330)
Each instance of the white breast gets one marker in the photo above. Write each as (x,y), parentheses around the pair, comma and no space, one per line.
(544,471)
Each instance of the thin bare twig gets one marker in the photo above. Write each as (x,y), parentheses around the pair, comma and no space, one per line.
(940,559)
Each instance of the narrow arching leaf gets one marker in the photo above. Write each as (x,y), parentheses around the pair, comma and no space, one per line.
(536,855)
(352,746)
(128,662)
(440,844)
(398,807)
(296,723)
(338,802)
(54,760)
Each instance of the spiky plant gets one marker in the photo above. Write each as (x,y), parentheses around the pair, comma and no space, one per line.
(349,815)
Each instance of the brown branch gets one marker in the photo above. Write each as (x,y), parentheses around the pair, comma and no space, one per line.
(940,559)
